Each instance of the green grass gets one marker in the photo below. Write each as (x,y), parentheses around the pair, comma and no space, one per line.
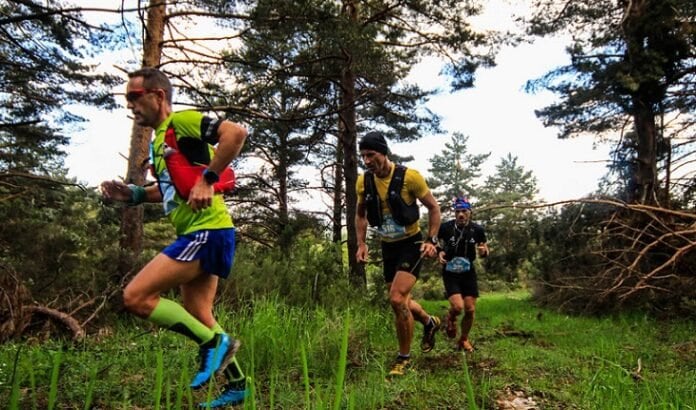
(321,359)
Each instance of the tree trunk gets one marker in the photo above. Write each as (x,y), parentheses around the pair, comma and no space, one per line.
(644,99)
(131,230)
(338,191)
(348,137)
(646,171)
(285,238)
(665,199)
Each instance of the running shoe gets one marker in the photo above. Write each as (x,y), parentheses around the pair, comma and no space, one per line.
(214,357)
(429,332)
(232,394)
(399,366)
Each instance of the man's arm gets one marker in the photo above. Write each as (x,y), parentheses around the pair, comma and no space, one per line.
(231,137)
(120,191)
(152,193)
(361,231)
(482,245)
(433,222)
(483,250)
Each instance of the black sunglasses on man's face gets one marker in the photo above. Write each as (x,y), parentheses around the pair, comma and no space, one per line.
(133,95)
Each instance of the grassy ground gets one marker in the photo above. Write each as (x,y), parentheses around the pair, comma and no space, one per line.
(319,359)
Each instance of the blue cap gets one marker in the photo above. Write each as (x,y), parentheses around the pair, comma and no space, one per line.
(461,203)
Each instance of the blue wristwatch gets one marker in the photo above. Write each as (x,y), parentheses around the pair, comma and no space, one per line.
(210,177)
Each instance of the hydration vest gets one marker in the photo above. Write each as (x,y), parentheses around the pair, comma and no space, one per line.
(402,213)
(186,159)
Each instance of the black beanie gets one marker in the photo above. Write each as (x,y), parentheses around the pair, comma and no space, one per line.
(374,141)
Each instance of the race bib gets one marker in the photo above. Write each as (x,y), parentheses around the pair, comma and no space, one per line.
(390,229)
(458,264)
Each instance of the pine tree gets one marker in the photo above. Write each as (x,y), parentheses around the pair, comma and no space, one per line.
(509,228)
(42,75)
(455,172)
(359,53)
(631,74)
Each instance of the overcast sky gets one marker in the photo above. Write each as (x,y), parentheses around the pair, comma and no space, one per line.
(497,115)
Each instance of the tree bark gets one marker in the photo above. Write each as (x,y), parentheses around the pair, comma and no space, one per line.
(348,137)
(338,193)
(283,209)
(644,99)
(646,171)
(131,229)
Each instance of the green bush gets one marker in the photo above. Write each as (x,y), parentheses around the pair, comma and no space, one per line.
(58,242)
(310,274)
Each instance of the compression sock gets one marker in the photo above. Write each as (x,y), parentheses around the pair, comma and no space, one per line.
(233,372)
(172,316)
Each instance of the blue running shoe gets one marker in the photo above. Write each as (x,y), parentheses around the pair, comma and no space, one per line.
(214,357)
(230,396)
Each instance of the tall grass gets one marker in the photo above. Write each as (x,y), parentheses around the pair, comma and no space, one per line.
(159,374)
(89,394)
(55,371)
(15,382)
(319,358)
(470,396)
(341,371)
(305,375)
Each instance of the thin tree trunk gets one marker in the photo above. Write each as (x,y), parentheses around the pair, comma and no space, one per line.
(131,230)
(643,113)
(350,159)
(646,172)
(285,237)
(666,199)
(338,192)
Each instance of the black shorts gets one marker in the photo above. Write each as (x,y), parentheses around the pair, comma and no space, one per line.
(464,284)
(403,255)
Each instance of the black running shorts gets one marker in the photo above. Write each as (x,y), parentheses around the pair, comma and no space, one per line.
(464,283)
(403,255)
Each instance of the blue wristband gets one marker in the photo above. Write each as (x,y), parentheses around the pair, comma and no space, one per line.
(137,195)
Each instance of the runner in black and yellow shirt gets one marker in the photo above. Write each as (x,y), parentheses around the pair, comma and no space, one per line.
(394,216)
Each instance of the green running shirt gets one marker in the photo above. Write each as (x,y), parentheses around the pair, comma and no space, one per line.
(194,125)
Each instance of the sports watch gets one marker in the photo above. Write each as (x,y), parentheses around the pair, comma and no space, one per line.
(210,177)
(434,240)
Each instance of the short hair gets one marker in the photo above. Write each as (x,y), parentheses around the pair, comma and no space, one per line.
(154,78)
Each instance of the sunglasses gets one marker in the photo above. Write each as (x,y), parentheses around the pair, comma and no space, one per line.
(134,95)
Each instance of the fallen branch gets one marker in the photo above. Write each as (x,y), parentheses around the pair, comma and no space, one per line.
(65,319)
(605,201)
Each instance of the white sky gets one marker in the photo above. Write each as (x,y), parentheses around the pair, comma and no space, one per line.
(497,115)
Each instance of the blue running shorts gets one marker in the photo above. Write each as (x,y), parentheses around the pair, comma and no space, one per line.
(214,247)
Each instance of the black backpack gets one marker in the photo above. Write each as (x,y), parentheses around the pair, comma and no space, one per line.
(402,213)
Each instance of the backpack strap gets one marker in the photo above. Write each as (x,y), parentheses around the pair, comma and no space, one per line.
(403,213)
(373,208)
(397,181)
